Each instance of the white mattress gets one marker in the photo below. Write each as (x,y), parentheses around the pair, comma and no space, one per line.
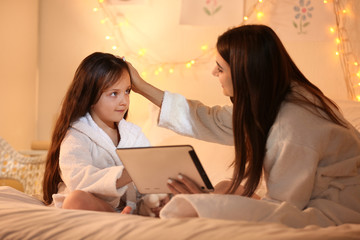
(24,217)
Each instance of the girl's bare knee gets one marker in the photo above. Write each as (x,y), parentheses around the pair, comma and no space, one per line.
(77,200)
(85,201)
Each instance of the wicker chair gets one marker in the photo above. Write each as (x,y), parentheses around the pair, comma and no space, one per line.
(22,172)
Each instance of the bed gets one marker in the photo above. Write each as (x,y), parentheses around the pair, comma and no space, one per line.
(24,216)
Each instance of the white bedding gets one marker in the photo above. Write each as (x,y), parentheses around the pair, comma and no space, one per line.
(25,217)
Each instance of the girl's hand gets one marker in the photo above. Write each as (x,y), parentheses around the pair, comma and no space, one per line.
(184,185)
(126,210)
(123,180)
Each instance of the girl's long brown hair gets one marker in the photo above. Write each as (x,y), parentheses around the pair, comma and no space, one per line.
(262,73)
(96,73)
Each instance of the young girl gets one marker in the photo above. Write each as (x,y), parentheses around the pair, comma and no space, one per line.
(83,170)
(282,127)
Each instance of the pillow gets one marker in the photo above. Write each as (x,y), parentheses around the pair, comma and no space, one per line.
(12,183)
(11,196)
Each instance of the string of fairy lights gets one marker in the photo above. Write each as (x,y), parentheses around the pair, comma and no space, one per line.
(348,59)
(118,23)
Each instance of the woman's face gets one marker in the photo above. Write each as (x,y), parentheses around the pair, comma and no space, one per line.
(222,71)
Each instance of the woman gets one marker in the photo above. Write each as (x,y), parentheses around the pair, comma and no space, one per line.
(282,127)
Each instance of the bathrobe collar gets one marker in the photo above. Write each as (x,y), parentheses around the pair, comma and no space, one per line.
(87,126)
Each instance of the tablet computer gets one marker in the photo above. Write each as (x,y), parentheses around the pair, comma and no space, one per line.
(151,167)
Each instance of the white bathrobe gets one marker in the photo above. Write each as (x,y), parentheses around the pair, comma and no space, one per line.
(311,167)
(88,160)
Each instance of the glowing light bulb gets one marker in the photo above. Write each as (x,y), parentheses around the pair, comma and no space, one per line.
(260,15)
(123,23)
(142,52)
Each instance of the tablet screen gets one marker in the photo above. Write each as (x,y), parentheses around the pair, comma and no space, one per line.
(151,167)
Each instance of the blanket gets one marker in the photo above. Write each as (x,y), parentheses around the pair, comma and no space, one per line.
(24,217)
(233,207)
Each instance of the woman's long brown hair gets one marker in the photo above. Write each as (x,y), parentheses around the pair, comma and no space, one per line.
(262,73)
(96,73)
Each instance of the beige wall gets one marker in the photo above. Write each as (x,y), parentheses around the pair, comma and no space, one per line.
(67,33)
(18,68)
(70,30)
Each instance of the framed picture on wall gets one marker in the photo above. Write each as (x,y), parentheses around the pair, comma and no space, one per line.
(212,12)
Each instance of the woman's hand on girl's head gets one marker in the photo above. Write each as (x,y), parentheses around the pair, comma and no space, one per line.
(140,86)
(136,79)
(184,185)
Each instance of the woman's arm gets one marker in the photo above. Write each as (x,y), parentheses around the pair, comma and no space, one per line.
(184,185)
(187,117)
(152,93)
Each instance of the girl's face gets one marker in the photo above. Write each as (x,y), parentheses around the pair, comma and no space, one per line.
(113,103)
(222,71)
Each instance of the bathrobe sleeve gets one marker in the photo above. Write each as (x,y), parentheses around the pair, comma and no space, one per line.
(194,119)
(88,167)
(292,173)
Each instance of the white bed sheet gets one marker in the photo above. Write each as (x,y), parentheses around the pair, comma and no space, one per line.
(25,217)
